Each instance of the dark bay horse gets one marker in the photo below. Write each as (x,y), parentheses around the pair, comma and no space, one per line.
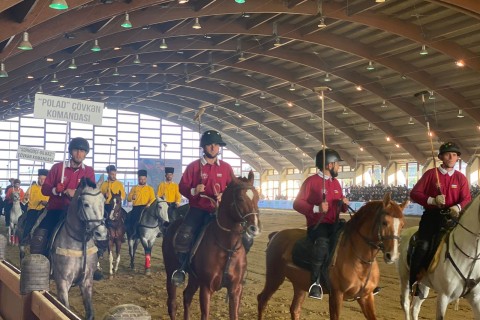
(116,231)
(353,271)
(146,231)
(220,259)
(74,255)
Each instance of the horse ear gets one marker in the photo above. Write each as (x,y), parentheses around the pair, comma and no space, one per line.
(251,176)
(386,199)
(100,182)
(404,204)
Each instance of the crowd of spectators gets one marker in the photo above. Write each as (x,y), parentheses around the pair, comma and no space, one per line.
(399,193)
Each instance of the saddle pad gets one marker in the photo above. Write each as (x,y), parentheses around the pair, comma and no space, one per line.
(436,257)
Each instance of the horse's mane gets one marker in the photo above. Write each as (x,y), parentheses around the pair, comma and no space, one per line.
(90,183)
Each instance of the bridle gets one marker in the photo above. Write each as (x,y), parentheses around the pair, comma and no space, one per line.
(156,215)
(86,222)
(234,205)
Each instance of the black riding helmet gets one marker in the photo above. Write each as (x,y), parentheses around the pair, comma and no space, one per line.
(79,144)
(330,156)
(449,147)
(211,137)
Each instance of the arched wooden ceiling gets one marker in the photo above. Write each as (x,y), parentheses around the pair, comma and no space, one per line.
(231,70)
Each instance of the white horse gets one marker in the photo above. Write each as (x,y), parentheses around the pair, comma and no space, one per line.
(15,213)
(457,273)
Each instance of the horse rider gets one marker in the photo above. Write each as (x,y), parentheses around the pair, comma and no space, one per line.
(169,191)
(202,183)
(142,195)
(36,202)
(317,200)
(61,192)
(111,186)
(6,207)
(440,191)
(8,196)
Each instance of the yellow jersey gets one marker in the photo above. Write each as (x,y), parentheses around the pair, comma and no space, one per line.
(144,195)
(169,191)
(110,187)
(36,197)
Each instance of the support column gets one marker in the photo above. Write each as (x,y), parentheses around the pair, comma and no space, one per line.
(473,172)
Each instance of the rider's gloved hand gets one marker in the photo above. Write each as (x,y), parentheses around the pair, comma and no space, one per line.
(438,201)
(454,211)
(316,209)
(59,188)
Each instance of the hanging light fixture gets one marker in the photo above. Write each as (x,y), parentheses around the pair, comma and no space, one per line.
(163,45)
(335,132)
(411,121)
(126,24)
(59,5)
(370,66)
(25,44)
(96,47)
(3,72)
(115,72)
(292,87)
(284,124)
(136,60)
(82,90)
(97,83)
(431,95)
(27,99)
(424,50)
(277,42)
(72,65)
(196,25)
(262,95)
(40,89)
(240,1)
(237,103)
(370,128)
(327,78)
(384,104)
(460,114)
(312,117)
(182,1)
(345,111)
(241,57)
(54,78)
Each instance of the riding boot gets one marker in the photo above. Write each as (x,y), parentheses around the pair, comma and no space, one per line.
(182,242)
(247,242)
(39,242)
(417,262)
(319,255)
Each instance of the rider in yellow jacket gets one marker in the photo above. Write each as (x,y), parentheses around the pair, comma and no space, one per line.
(169,191)
(36,202)
(141,196)
(111,186)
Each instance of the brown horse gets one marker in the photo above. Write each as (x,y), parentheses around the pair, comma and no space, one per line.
(116,231)
(353,271)
(220,259)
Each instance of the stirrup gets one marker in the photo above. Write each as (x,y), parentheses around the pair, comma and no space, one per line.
(416,292)
(178,277)
(315,291)
(376,290)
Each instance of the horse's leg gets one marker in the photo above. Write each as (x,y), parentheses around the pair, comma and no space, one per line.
(62,292)
(171,298)
(110,257)
(273,280)
(234,296)
(86,290)
(297,302)
(132,247)
(442,304)
(148,254)
(10,234)
(403,273)
(118,248)
(474,300)
(335,304)
(188,294)
(367,303)
(205,297)
(417,301)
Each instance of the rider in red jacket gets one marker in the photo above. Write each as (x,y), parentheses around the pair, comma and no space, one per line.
(202,183)
(61,192)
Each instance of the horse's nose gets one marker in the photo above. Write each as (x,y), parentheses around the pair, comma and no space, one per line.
(253,230)
(100,233)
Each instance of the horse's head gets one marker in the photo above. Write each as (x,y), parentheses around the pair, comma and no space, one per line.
(240,205)
(115,212)
(90,206)
(389,225)
(384,228)
(15,196)
(160,208)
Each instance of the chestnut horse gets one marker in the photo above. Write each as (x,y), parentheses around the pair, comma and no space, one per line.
(353,271)
(116,231)
(220,259)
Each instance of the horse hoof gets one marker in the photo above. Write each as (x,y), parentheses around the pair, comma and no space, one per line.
(148,272)
(97,275)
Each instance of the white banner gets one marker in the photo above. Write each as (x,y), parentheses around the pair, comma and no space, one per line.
(35,154)
(66,109)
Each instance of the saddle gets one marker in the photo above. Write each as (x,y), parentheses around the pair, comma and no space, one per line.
(435,248)
(199,237)
(302,250)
